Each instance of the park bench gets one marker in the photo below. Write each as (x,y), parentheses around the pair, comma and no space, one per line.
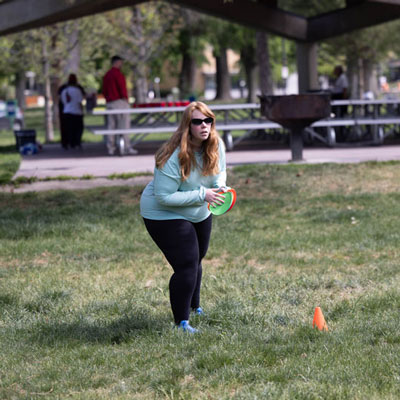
(367,122)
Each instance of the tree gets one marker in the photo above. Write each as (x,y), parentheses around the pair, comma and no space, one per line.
(262,50)
(363,51)
(17,55)
(140,34)
(244,42)
(49,130)
(191,46)
(221,38)
(71,32)
(27,50)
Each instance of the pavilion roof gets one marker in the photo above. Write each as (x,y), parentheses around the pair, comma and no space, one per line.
(260,14)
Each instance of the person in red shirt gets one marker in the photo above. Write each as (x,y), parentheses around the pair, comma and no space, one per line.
(116,95)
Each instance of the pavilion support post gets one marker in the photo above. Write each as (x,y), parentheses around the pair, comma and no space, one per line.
(296,143)
(307,66)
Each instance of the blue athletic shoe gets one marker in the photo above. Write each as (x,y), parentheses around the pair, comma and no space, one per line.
(198,311)
(185,327)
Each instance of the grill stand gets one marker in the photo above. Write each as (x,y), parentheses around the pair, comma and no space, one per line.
(296,112)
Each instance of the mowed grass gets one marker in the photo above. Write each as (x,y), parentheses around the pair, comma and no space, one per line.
(9,157)
(84,306)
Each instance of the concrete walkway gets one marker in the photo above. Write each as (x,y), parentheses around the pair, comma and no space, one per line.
(92,161)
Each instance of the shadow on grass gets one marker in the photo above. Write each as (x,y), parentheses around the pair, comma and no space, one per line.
(8,149)
(115,332)
(65,213)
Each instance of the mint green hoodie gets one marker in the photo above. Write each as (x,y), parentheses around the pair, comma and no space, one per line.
(168,197)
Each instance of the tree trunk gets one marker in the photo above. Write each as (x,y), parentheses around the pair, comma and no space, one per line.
(353,78)
(74,49)
(248,60)
(250,72)
(55,71)
(361,88)
(139,70)
(262,52)
(20,82)
(187,75)
(54,85)
(141,86)
(49,130)
(370,77)
(223,78)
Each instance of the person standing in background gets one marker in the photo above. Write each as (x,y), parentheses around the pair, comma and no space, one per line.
(61,116)
(116,95)
(340,89)
(71,119)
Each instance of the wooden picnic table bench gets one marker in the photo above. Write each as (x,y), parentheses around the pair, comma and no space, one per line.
(247,119)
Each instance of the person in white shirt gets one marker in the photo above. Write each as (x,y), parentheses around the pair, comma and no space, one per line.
(340,91)
(71,97)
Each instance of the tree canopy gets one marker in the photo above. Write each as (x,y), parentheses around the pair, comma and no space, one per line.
(160,40)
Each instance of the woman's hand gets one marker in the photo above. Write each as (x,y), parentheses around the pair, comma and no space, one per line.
(213,197)
(223,189)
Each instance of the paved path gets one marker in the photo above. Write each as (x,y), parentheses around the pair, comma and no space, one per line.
(93,161)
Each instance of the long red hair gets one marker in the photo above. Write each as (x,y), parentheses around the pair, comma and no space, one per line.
(182,138)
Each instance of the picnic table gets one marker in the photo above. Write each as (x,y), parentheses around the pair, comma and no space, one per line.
(366,121)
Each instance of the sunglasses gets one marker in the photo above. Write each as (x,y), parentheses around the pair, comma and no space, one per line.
(198,121)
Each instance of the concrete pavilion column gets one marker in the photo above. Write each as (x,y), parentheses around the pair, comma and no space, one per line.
(307,66)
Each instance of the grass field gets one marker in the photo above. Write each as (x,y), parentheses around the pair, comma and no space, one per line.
(34,119)
(84,308)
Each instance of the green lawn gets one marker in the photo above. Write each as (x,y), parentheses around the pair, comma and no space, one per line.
(84,308)
(9,157)
(34,119)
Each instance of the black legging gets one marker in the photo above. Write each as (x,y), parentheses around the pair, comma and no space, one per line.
(184,245)
(74,129)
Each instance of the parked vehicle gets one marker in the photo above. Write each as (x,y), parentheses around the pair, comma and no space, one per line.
(5,120)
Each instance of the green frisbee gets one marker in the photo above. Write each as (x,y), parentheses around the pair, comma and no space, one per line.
(230,199)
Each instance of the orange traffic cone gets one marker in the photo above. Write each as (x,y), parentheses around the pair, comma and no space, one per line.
(319,320)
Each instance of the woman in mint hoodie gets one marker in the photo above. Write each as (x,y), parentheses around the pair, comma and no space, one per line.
(190,170)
